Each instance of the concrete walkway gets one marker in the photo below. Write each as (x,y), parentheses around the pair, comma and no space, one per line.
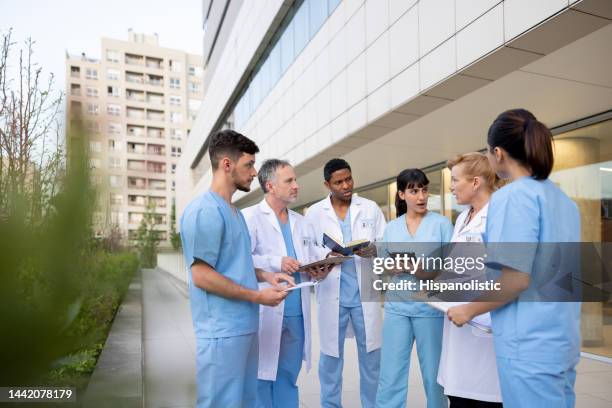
(169,356)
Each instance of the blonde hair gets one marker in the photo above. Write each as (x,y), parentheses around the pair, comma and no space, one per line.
(475,165)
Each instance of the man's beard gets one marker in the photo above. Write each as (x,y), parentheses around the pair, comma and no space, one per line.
(239,187)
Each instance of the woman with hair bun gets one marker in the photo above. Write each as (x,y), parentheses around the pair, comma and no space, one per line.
(537,343)
(407,321)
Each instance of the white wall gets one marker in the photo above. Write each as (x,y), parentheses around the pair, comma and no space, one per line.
(174,264)
(369,58)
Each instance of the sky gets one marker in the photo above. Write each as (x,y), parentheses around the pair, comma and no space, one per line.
(77,26)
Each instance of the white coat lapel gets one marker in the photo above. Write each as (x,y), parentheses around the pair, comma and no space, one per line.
(269,215)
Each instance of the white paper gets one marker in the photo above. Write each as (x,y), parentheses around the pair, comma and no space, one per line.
(302,285)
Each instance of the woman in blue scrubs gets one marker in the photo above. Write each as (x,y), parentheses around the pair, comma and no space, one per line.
(537,343)
(405,320)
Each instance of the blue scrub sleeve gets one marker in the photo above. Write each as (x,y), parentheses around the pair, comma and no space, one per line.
(207,229)
(513,230)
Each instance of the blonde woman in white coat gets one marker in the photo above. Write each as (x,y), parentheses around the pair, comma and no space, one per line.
(468,371)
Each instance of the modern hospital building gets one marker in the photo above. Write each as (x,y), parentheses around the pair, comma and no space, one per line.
(392,84)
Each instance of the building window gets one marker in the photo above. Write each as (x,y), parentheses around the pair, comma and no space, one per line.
(195,71)
(175,100)
(173,169)
(93,126)
(113,145)
(114,162)
(112,74)
(95,146)
(113,110)
(92,92)
(115,181)
(113,56)
(112,90)
(175,66)
(75,89)
(93,108)
(116,217)
(91,73)
(114,128)
(175,83)
(75,72)
(176,151)
(176,134)
(94,163)
(176,117)
(116,199)
(194,87)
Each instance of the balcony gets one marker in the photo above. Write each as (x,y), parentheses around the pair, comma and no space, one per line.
(134,77)
(136,148)
(155,80)
(155,98)
(133,59)
(155,115)
(136,96)
(155,167)
(155,63)
(156,133)
(156,150)
(136,165)
(137,131)
(137,200)
(134,113)
(157,184)
(137,183)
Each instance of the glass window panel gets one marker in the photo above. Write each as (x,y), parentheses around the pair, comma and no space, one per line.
(332,4)
(318,14)
(583,170)
(301,31)
(287,51)
(275,67)
(435,186)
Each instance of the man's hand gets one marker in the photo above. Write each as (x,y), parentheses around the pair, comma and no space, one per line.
(271,296)
(461,314)
(275,279)
(289,265)
(367,252)
(321,272)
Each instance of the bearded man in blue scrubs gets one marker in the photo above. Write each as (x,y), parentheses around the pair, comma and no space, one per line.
(223,281)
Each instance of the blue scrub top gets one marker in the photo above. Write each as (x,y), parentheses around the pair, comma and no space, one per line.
(349,285)
(435,229)
(293,302)
(212,232)
(533,211)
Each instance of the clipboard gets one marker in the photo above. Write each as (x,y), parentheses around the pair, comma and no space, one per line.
(332,260)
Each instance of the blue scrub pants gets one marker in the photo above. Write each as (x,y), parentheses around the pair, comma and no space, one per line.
(226,371)
(533,384)
(399,334)
(284,391)
(330,368)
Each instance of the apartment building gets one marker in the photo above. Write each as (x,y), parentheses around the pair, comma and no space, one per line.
(138,103)
(393,84)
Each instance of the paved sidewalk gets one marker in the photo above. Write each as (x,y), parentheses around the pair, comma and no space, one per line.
(169,363)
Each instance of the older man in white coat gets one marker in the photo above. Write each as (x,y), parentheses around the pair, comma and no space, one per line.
(281,241)
(342,214)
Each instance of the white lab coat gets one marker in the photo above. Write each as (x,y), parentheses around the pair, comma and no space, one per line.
(467,363)
(367,222)
(268,249)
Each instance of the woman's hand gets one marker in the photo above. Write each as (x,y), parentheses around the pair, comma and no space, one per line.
(461,314)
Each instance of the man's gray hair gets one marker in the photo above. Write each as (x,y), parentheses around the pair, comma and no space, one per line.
(267,171)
